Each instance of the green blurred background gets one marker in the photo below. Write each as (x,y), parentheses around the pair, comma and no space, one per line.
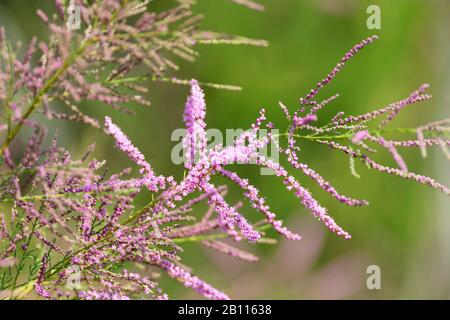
(405,230)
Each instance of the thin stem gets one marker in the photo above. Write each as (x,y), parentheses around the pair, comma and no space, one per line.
(63,195)
(349,134)
(214,236)
(22,258)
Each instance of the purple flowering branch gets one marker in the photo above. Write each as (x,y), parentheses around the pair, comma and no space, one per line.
(78,223)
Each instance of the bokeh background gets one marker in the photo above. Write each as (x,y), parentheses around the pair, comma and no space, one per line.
(405,230)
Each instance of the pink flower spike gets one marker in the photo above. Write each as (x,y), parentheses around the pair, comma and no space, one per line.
(396,156)
(193,282)
(152,182)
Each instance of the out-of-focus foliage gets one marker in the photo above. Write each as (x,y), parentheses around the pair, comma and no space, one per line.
(402,232)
